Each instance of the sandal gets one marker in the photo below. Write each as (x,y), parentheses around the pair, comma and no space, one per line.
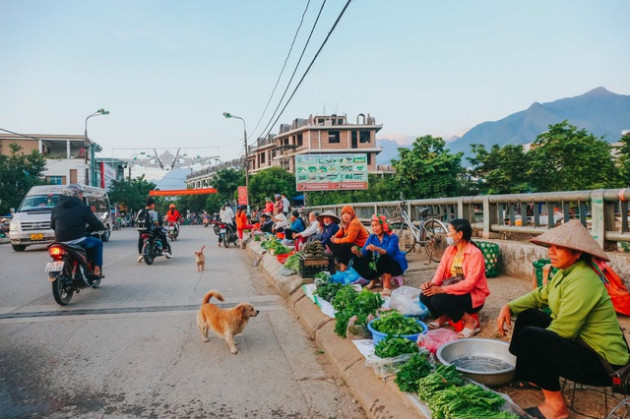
(386,292)
(468,332)
(372,284)
(524,385)
(436,324)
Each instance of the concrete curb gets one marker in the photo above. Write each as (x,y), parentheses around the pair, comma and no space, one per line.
(379,399)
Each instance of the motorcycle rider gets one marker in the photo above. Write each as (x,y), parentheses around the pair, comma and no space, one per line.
(148,219)
(173,217)
(227,217)
(69,219)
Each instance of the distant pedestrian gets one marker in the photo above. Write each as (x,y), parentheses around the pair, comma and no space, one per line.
(278,207)
(286,205)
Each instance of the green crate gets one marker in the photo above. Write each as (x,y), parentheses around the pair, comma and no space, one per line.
(491,256)
(538,269)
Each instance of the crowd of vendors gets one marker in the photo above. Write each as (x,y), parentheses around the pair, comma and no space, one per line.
(578,337)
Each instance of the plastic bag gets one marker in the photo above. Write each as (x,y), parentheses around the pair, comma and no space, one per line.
(386,367)
(406,300)
(345,277)
(433,339)
(614,285)
(358,331)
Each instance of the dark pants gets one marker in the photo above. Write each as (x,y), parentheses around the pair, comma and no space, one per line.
(454,306)
(543,356)
(342,252)
(384,265)
(288,234)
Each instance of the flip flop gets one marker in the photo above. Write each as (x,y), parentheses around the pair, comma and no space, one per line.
(386,292)
(434,324)
(524,385)
(535,412)
(467,332)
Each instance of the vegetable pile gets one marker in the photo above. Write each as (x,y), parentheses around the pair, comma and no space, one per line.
(293,262)
(393,346)
(394,323)
(417,367)
(275,247)
(444,376)
(313,250)
(328,290)
(348,302)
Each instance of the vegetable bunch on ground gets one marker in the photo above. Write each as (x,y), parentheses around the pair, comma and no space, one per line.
(293,262)
(348,302)
(417,367)
(275,247)
(328,290)
(393,346)
(394,323)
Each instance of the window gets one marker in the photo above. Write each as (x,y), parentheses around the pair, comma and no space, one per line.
(354,139)
(369,159)
(364,137)
(333,137)
(56,180)
(299,140)
(262,158)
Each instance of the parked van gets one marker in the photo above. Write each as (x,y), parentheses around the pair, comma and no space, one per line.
(31,223)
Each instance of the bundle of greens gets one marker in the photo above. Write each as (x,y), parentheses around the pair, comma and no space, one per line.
(443,377)
(293,262)
(328,290)
(348,302)
(394,323)
(417,367)
(393,346)
(469,401)
(275,247)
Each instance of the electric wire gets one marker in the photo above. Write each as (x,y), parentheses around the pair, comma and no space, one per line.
(283,65)
(308,40)
(310,65)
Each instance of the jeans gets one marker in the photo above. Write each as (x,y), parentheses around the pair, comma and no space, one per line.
(94,249)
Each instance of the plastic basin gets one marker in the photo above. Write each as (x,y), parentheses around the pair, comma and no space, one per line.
(378,336)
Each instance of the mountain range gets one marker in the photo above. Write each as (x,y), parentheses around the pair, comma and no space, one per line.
(599,111)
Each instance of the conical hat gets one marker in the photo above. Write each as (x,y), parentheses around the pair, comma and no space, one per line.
(572,235)
(330,214)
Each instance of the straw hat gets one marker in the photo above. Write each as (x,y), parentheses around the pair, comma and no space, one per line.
(330,214)
(572,235)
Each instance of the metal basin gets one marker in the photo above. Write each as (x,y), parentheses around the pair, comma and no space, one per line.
(486,361)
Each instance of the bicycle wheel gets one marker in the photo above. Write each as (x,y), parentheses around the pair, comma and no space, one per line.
(406,239)
(435,244)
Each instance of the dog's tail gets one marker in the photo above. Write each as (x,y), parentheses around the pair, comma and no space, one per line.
(210,294)
(202,247)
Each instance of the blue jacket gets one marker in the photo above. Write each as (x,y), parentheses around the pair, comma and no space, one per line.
(329,231)
(297,226)
(390,244)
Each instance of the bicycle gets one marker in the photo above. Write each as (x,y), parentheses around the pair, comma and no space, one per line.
(431,234)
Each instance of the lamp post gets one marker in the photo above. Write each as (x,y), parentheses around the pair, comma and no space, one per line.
(92,181)
(228,116)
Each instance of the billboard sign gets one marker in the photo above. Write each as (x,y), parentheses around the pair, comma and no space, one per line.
(331,172)
(242,195)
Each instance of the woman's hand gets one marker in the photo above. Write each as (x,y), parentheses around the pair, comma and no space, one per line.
(426,285)
(433,290)
(371,248)
(504,321)
(355,250)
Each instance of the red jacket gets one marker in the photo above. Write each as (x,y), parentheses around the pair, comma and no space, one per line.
(173,216)
(354,232)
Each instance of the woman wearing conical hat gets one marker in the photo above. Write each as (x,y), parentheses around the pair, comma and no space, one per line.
(582,333)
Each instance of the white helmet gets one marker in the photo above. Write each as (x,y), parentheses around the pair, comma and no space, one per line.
(73,189)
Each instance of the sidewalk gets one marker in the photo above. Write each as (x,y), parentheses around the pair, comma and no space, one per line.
(383,399)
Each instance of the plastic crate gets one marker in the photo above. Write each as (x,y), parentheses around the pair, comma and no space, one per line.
(538,270)
(491,256)
(311,267)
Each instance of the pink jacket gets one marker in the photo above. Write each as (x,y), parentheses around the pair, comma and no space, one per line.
(474,268)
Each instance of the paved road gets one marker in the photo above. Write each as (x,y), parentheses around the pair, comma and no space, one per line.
(132,347)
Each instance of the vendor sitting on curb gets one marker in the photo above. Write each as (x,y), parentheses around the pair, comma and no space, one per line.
(329,224)
(297,226)
(352,233)
(459,287)
(382,249)
(311,231)
(581,338)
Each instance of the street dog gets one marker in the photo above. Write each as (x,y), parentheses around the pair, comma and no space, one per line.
(200,259)
(226,323)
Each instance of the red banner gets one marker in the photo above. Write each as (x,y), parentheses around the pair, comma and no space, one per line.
(242,195)
(175,192)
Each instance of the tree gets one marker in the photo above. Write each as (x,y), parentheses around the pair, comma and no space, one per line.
(623,159)
(427,170)
(18,173)
(503,170)
(268,182)
(131,194)
(567,159)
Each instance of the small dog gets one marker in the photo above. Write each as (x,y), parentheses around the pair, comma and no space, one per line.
(226,323)
(200,259)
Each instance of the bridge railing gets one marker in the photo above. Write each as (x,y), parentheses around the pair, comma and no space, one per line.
(603,211)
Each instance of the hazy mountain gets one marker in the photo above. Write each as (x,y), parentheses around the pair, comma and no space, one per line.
(390,150)
(599,111)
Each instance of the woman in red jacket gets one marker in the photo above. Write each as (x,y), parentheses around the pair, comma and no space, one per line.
(173,217)
(241,222)
(459,287)
(352,233)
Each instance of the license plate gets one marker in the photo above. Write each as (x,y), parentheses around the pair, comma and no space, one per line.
(54,266)
(37,237)
(222,230)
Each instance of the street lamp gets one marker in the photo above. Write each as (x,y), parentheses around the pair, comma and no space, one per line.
(87,141)
(228,116)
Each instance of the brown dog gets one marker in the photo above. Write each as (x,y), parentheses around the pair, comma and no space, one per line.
(226,323)
(200,259)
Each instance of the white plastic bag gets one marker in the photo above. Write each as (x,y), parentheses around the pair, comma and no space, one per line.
(406,300)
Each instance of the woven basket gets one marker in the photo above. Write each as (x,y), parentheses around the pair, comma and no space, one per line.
(491,256)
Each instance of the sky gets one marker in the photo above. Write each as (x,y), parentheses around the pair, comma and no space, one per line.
(167,70)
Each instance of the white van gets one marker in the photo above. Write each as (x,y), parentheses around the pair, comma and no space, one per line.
(31,223)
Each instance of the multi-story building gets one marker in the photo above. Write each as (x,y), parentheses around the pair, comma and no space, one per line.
(203,178)
(322,134)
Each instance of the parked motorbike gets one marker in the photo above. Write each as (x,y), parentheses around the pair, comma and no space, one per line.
(151,246)
(227,234)
(173,231)
(70,271)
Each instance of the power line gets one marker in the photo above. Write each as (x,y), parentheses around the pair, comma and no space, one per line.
(311,64)
(20,135)
(308,40)
(283,66)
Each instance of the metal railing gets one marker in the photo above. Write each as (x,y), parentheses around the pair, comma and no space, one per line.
(603,211)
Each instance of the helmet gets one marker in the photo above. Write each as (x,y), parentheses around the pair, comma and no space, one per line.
(172,206)
(73,189)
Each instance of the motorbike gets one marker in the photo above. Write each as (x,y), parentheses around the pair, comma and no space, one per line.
(69,272)
(173,231)
(151,246)
(227,234)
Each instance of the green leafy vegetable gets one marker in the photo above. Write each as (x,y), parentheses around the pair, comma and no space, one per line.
(293,262)
(393,346)
(417,367)
(328,290)
(443,377)
(394,323)
(348,302)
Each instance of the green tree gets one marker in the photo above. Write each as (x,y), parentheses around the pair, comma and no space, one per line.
(502,170)
(567,159)
(268,182)
(427,169)
(18,173)
(132,195)
(623,159)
